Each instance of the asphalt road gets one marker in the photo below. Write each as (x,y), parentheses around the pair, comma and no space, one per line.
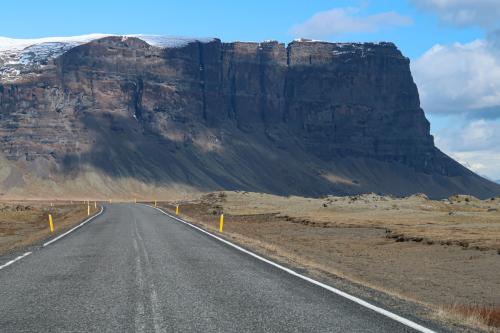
(133,269)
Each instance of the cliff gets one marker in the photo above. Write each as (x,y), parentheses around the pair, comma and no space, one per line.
(123,115)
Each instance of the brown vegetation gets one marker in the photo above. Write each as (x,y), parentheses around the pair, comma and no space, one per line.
(475,315)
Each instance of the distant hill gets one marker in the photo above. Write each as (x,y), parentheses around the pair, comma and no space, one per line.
(116,116)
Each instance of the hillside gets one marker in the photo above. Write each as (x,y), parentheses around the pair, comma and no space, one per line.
(118,116)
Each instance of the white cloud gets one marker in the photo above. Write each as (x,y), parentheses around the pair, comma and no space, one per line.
(347,20)
(474,135)
(484,13)
(483,162)
(462,82)
(460,78)
(459,85)
(475,144)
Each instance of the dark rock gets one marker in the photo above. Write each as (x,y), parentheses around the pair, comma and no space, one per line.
(249,116)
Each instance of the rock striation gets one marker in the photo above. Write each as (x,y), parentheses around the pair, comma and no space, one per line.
(306,118)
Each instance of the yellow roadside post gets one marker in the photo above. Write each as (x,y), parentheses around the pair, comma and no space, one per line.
(95,204)
(177,210)
(221,222)
(51,225)
(88,209)
(155,203)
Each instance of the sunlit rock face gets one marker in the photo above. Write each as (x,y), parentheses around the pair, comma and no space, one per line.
(309,118)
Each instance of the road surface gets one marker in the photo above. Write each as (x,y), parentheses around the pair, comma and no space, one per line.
(133,269)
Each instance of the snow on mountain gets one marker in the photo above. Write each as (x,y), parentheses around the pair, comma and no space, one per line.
(11,44)
(170,41)
(19,56)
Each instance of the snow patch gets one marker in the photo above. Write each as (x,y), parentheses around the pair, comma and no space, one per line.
(19,56)
(19,44)
(170,41)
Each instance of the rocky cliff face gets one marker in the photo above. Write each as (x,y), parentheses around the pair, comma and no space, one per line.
(119,114)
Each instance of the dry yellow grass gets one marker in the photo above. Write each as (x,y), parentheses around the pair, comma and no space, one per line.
(461,220)
(481,316)
(23,223)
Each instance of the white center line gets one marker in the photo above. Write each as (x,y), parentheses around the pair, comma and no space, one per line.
(153,297)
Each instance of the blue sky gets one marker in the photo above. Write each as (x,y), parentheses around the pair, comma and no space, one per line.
(229,20)
(453,46)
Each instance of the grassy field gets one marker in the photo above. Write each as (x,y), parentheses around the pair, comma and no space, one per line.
(443,254)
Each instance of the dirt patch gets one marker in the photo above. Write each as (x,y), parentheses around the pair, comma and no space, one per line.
(23,223)
(432,252)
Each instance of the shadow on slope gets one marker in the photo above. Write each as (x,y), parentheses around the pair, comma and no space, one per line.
(124,147)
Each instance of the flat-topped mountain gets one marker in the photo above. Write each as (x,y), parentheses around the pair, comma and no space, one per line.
(148,115)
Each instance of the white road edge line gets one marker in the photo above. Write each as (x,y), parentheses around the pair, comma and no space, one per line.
(52,240)
(74,228)
(355,299)
(8,263)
